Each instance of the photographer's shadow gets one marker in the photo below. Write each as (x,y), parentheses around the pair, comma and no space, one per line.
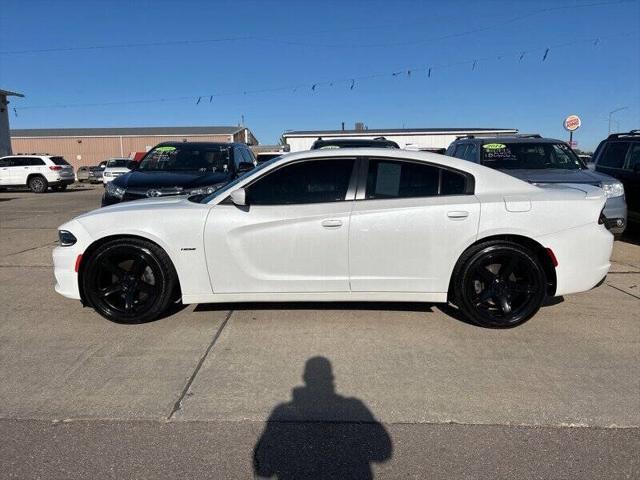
(320,434)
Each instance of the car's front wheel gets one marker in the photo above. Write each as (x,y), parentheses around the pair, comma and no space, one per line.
(499,284)
(129,280)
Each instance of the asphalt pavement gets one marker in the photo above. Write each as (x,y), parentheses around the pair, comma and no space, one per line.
(308,390)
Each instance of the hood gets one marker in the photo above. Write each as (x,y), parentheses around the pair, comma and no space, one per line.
(558,175)
(164,179)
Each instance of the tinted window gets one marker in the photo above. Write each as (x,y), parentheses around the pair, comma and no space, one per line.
(315,181)
(634,157)
(394,179)
(460,150)
(614,155)
(5,162)
(453,183)
(522,155)
(471,152)
(202,158)
(59,161)
(119,163)
(33,162)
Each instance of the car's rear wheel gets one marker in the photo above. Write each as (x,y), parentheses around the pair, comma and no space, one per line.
(129,280)
(38,184)
(499,284)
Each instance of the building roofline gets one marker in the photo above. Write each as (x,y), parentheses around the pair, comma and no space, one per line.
(9,93)
(395,131)
(126,131)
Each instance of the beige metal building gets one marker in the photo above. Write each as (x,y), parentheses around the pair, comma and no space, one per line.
(89,146)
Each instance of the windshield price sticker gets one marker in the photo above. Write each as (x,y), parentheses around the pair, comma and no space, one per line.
(494,146)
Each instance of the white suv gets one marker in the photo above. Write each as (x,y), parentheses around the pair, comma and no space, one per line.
(38,172)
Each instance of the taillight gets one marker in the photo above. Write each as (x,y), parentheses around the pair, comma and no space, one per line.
(55,167)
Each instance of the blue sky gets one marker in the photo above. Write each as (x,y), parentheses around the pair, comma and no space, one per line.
(271,44)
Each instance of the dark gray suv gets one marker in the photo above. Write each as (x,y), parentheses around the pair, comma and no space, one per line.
(543,161)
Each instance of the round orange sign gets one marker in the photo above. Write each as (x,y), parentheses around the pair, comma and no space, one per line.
(572,123)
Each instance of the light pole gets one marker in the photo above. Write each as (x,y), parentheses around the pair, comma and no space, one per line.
(611,113)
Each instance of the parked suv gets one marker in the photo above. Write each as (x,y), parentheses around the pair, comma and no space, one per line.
(180,168)
(38,172)
(116,167)
(543,161)
(619,156)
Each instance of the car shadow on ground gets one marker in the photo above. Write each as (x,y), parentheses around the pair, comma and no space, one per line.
(631,234)
(320,434)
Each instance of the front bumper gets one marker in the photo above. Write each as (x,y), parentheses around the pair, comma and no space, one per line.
(615,210)
(64,262)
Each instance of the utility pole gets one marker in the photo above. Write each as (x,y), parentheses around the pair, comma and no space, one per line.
(611,114)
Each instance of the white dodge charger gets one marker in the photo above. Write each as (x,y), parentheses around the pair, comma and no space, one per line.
(343,225)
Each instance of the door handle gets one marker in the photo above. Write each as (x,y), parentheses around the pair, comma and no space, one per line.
(331,223)
(457,214)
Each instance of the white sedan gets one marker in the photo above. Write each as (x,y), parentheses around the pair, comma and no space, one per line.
(343,225)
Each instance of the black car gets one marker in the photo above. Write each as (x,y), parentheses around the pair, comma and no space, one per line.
(378,142)
(181,168)
(619,156)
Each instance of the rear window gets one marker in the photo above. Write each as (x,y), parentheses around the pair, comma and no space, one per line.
(534,156)
(59,161)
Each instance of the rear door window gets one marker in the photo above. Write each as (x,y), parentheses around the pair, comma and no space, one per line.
(614,155)
(34,162)
(400,179)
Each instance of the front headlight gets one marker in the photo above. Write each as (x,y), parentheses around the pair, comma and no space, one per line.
(107,174)
(205,190)
(114,190)
(611,190)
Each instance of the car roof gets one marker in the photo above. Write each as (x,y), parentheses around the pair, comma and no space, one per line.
(507,139)
(200,144)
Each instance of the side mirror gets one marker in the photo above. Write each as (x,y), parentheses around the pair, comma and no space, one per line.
(245,167)
(239,197)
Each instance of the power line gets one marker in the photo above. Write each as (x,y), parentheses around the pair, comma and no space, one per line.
(312,44)
(349,82)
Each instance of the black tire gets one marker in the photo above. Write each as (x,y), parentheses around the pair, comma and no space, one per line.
(38,184)
(499,284)
(129,280)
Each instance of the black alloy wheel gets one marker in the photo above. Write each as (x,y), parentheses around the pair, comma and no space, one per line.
(38,184)
(129,280)
(500,284)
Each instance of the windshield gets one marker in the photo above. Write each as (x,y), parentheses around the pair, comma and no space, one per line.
(230,185)
(536,156)
(118,163)
(214,158)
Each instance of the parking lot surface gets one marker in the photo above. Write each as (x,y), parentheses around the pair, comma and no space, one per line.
(406,390)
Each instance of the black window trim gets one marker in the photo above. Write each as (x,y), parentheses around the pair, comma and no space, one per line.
(361,191)
(351,187)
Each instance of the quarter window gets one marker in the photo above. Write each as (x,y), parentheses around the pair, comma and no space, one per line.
(634,157)
(614,155)
(461,150)
(314,181)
